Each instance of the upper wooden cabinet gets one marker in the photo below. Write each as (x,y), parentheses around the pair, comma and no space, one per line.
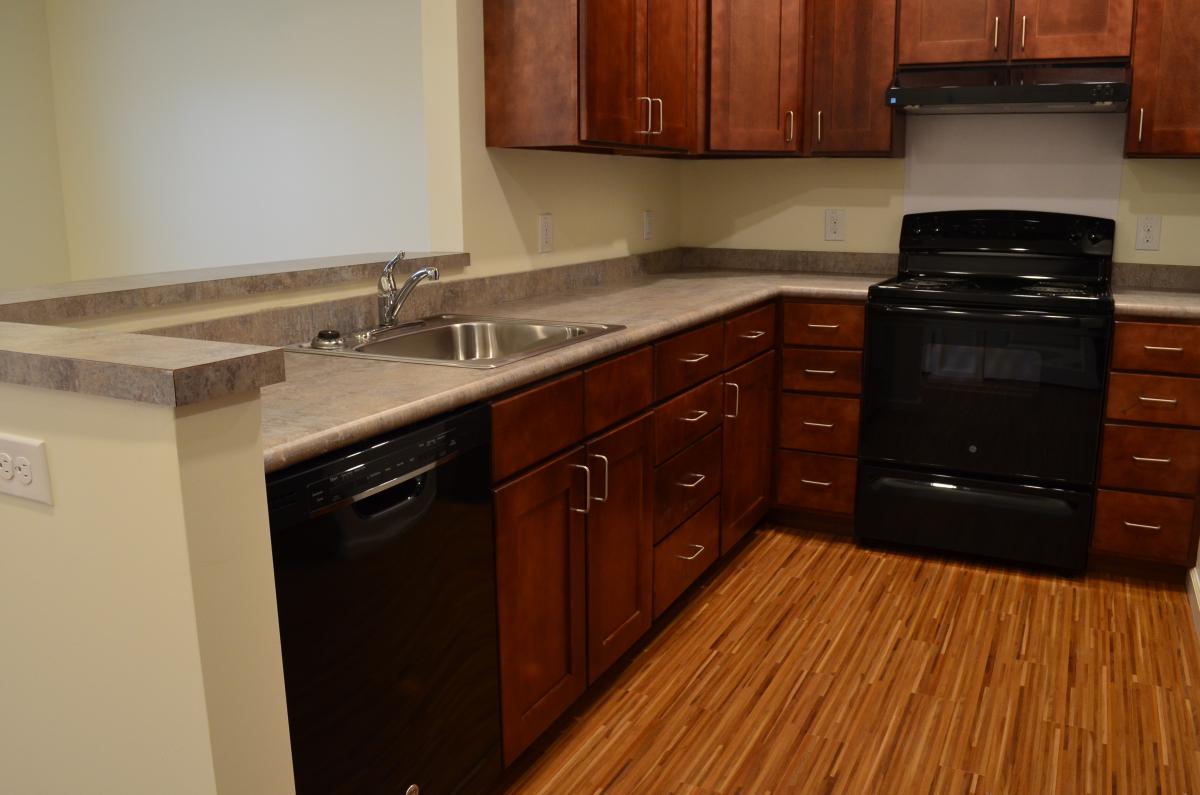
(1048,29)
(954,31)
(591,74)
(852,46)
(1164,113)
(754,97)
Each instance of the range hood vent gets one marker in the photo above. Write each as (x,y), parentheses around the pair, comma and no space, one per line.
(1043,88)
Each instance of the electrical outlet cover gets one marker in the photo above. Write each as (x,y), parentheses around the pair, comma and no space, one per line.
(835,225)
(545,233)
(31,472)
(1149,233)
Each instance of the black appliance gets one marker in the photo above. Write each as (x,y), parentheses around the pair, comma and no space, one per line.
(986,362)
(1037,88)
(386,585)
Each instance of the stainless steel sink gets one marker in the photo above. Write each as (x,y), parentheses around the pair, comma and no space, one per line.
(465,341)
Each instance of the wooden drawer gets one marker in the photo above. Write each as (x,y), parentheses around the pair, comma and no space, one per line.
(823,325)
(617,389)
(535,424)
(1151,459)
(1153,398)
(817,482)
(688,359)
(819,424)
(1157,348)
(684,555)
(685,483)
(748,335)
(687,418)
(1145,527)
(816,370)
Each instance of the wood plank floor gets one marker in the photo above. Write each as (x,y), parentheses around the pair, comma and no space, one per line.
(811,665)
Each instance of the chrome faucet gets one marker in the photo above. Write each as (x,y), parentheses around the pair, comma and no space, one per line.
(391,299)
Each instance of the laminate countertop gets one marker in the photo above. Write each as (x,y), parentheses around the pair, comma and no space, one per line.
(328,402)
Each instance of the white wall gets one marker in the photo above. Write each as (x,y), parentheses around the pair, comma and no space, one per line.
(224,132)
(31,213)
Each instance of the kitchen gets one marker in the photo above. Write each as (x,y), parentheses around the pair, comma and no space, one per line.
(684,554)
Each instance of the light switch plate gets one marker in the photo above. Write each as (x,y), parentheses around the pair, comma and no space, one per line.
(647,224)
(24,471)
(1149,232)
(835,225)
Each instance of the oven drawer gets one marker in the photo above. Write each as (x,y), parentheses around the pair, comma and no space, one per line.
(688,359)
(1157,348)
(820,424)
(823,325)
(1150,459)
(685,483)
(680,558)
(816,370)
(748,335)
(1154,398)
(687,418)
(1141,526)
(816,482)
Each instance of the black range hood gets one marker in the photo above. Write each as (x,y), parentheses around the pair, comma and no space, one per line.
(1041,88)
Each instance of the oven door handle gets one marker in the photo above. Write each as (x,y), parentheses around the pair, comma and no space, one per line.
(1015,316)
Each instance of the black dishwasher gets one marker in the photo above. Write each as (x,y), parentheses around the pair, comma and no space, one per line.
(386,585)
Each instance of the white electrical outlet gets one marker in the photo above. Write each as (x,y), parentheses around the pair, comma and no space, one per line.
(24,471)
(835,224)
(647,224)
(545,233)
(1149,232)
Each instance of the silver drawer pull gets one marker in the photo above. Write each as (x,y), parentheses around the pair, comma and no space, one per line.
(819,424)
(1141,460)
(603,458)
(697,415)
(1162,348)
(820,483)
(754,335)
(695,357)
(1168,401)
(698,480)
(1137,526)
(821,372)
(587,499)
(699,551)
(823,325)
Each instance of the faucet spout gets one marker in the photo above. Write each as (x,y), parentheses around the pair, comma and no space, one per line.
(391,299)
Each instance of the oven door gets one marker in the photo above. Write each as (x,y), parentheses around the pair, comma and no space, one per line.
(985,391)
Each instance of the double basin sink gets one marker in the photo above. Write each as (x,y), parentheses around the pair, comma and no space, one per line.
(464,340)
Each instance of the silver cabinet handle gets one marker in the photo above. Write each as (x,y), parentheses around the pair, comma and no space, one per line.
(587,498)
(1024,25)
(753,335)
(697,415)
(695,357)
(996,35)
(1162,348)
(1168,401)
(737,401)
(1137,526)
(791,127)
(699,551)
(1141,123)
(819,424)
(603,458)
(1142,460)
(649,115)
(661,122)
(820,483)
(825,325)
(820,113)
(820,372)
(698,480)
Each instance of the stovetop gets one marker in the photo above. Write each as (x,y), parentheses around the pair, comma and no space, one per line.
(1029,293)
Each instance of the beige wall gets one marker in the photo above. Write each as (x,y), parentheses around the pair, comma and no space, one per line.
(31,204)
(1170,188)
(140,645)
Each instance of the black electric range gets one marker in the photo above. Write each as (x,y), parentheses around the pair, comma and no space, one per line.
(986,363)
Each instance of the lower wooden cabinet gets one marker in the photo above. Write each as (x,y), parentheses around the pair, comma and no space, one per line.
(681,557)
(1145,527)
(540,583)
(620,542)
(746,480)
(822,483)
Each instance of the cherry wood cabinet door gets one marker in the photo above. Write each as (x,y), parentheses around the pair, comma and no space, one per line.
(614,105)
(1164,114)
(540,575)
(1072,28)
(754,103)
(620,542)
(670,71)
(746,481)
(852,45)
(953,31)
